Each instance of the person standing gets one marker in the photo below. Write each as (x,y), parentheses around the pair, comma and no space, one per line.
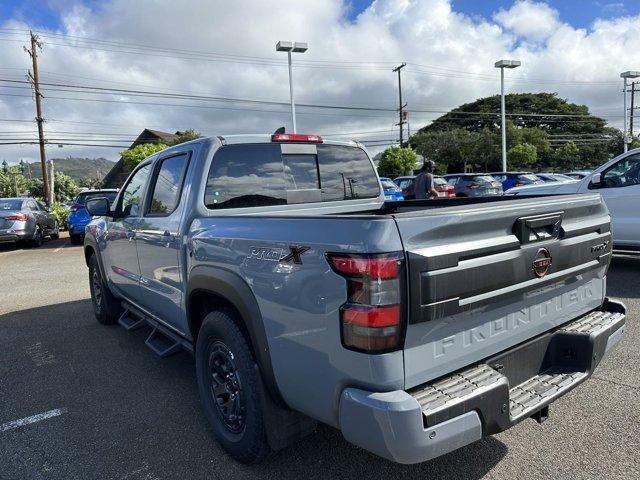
(423,185)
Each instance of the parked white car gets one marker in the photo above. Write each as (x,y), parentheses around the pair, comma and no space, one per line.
(618,181)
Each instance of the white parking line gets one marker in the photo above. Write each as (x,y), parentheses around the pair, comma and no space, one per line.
(32,419)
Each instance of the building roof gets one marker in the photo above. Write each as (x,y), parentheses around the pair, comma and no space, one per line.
(118,174)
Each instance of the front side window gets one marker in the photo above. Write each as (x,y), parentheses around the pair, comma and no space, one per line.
(168,184)
(624,173)
(256,175)
(132,195)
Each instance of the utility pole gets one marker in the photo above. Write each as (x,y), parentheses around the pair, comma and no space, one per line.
(52,179)
(35,80)
(400,104)
(633,91)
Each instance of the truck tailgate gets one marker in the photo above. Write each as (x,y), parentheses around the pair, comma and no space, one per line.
(485,277)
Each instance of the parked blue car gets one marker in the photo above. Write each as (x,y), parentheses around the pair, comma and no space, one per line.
(516,179)
(78,215)
(392,191)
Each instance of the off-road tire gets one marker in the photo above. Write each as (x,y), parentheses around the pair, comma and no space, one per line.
(106,307)
(219,331)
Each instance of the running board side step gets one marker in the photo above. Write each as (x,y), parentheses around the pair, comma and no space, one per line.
(131,322)
(499,392)
(162,341)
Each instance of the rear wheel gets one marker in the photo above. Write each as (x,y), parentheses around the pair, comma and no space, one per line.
(105,306)
(75,239)
(230,388)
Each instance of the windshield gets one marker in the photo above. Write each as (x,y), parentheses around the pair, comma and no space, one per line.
(528,178)
(484,178)
(10,204)
(561,177)
(83,197)
(439,181)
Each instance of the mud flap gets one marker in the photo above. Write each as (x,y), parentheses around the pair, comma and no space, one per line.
(283,427)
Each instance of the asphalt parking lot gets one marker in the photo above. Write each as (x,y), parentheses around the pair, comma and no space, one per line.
(102,405)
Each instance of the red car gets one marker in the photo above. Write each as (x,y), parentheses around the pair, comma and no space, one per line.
(444,189)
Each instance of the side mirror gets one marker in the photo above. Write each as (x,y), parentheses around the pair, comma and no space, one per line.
(98,207)
(596,180)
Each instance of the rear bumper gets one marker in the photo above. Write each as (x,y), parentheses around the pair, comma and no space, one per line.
(76,229)
(15,236)
(439,417)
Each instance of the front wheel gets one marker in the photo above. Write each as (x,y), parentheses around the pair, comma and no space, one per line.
(55,233)
(36,241)
(105,306)
(230,388)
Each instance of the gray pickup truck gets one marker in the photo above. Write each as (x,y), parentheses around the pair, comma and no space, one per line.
(414,327)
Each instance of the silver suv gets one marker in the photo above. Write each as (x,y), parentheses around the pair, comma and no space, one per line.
(474,184)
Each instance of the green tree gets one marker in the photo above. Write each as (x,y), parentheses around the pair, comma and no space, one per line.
(12,182)
(539,119)
(186,136)
(397,161)
(135,155)
(65,188)
(522,155)
(568,157)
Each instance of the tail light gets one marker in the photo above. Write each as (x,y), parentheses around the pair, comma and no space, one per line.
(296,137)
(18,217)
(371,319)
(75,207)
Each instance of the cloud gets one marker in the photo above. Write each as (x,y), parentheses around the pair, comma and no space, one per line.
(529,20)
(450,61)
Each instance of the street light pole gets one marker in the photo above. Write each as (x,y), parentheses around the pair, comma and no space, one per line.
(289,47)
(503,122)
(626,75)
(502,64)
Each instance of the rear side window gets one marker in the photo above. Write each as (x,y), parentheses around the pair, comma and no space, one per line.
(167,185)
(255,175)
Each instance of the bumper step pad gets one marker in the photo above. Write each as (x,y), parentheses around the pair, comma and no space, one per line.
(456,389)
(524,398)
(567,357)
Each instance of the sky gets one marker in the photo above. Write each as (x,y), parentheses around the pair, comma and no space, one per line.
(113,67)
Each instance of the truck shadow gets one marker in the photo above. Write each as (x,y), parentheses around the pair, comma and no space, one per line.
(109,382)
(624,276)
